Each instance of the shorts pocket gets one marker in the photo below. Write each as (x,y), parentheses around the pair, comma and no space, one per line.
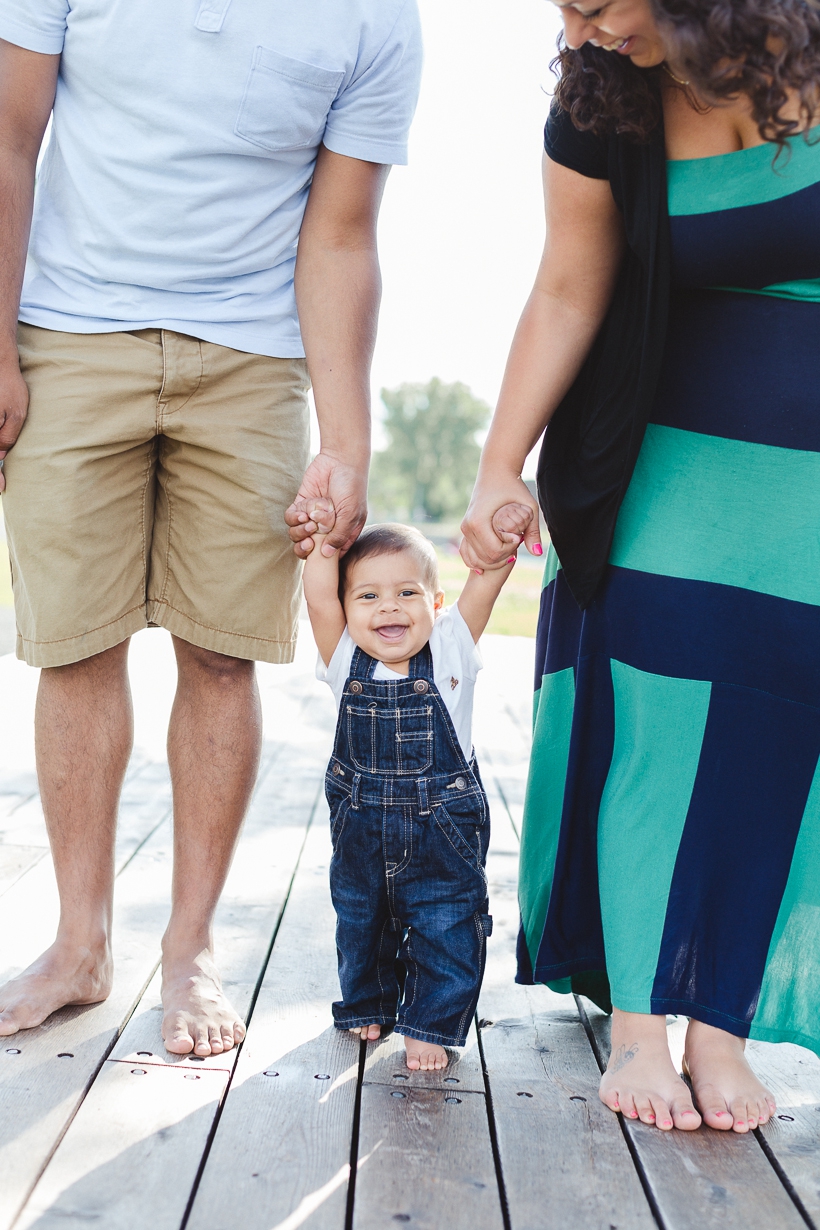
(286,102)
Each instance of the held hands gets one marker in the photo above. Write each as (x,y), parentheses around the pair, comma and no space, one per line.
(493,532)
(330,488)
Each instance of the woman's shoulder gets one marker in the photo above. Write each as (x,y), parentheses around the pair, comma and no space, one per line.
(584,152)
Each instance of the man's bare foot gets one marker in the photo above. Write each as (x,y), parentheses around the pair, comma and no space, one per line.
(640,1079)
(369,1032)
(424,1056)
(65,975)
(197,1016)
(727,1091)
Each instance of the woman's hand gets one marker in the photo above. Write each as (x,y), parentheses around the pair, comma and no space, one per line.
(482,547)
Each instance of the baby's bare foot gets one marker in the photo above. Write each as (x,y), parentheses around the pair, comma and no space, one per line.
(65,975)
(369,1032)
(640,1079)
(727,1091)
(424,1056)
(197,1016)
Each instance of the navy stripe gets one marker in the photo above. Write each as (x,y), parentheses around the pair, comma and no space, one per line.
(573,938)
(756,766)
(751,246)
(770,395)
(688,630)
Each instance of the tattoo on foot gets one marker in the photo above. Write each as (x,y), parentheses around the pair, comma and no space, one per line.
(622,1057)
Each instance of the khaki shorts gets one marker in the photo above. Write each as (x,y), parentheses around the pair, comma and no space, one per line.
(148,486)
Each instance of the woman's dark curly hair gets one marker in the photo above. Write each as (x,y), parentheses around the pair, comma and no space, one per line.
(765,49)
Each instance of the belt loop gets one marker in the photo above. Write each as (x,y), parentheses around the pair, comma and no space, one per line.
(354,797)
(424,802)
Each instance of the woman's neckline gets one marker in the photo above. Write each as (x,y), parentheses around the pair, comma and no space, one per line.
(747,149)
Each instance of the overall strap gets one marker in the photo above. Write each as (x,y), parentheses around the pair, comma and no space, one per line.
(421,665)
(362,666)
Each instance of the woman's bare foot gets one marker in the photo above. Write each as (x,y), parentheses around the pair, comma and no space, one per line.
(726,1089)
(65,975)
(197,1015)
(425,1056)
(640,1079)
(369,1032)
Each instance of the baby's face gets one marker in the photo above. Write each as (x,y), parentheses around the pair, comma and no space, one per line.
(390,608)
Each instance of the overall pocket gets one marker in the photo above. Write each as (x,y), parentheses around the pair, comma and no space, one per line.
(286,102)
(467,834)
(390,741)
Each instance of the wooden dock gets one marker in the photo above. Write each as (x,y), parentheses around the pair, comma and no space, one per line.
(305,1127)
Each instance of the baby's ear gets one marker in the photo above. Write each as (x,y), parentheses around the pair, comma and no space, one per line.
(438,601)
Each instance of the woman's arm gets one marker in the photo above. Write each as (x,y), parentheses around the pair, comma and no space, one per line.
(572,292)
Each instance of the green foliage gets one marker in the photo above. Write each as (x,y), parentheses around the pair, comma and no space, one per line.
(429,466)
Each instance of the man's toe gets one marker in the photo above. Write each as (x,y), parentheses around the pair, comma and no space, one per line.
(215,1040)
(179,1041)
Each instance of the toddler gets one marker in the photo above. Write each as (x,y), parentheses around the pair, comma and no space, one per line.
(408,813)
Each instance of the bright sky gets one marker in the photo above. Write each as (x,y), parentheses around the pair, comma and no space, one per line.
(462,226)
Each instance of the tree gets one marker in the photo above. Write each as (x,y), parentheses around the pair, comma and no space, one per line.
(430,463)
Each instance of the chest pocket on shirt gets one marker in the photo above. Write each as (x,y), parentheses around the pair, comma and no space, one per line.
(390,742)
(286,102)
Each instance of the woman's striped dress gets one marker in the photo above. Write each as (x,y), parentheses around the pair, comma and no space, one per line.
(672,827)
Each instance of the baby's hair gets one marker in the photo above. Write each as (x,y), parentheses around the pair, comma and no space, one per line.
(390,539)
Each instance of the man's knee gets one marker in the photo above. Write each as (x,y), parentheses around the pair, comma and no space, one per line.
(206,663)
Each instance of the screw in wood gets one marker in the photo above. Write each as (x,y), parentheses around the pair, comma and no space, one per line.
(786,1118)
(524,1095)
(192,1076)
(577,1098)
(400,1076)
(65,1055)
(196,1058)
(452,1080)
(270,1072)
(145,1054)
(322,1076)
(452,1099)
(13,1050)
(138,1072)
(398,1093)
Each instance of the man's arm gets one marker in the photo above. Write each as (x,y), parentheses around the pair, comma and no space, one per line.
(27,84)
(338,288)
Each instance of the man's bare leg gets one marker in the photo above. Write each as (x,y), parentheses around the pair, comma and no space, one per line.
(84,728)
(214,742)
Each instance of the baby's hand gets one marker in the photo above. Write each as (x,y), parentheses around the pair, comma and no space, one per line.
(511,523)
(317,510)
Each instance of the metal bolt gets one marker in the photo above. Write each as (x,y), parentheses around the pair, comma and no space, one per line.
(451,1080)
(527,1095)
(398,1093)
(355,687)
(460,783)
(270,1072)
(12,1050)
(196,1058)
(786,1118)
(400,1076)
(577,1098)
(322,1076)
(138,1072)
(65,1055)
(420,686)
(452,1099)
(192,1076)
(145,1054)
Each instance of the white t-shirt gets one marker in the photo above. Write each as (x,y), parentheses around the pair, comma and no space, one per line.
(456,663)
(183,143)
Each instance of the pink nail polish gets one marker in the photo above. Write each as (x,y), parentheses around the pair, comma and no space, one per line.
(511,560)
(538,549)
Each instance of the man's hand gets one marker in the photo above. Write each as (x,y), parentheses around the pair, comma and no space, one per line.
(337,487)
(13,409)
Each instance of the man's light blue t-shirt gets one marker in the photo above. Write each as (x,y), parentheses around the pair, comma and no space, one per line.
(183,143)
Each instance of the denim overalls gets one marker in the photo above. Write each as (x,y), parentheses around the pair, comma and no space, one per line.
(410,828)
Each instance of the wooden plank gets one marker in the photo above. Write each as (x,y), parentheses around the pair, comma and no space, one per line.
(564,1160)
(15,861)
(108,1173)
(425,1158)
(791,1137)
(281,1152)
(705,1179)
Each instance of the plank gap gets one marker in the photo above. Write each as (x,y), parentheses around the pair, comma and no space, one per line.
(488,1098)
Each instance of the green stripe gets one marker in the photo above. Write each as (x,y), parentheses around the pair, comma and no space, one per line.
(807,291)
(659,725)
(552,566)
(554,703)
(711,509)
(790,995)
(743,177)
